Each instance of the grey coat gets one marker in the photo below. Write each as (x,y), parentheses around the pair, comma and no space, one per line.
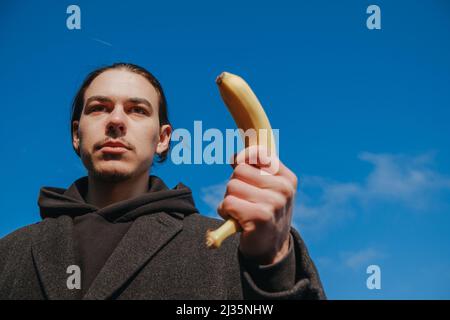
(162,256)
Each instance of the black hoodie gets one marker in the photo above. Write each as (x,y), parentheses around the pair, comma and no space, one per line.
(97,232)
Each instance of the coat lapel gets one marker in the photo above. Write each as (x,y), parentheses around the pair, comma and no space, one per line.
(146,236)
(53,253)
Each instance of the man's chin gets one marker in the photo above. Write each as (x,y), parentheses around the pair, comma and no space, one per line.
(111,176)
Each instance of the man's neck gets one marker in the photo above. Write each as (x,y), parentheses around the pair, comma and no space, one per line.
(103,193)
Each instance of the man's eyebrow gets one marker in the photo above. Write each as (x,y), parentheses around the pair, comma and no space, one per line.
(98,98)
(140,100)
(136,100)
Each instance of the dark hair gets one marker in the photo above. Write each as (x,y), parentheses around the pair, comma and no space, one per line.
(78,101)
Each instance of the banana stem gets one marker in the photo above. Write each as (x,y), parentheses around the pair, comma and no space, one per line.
(215,238)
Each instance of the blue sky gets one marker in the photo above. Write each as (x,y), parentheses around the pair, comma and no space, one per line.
(363,116)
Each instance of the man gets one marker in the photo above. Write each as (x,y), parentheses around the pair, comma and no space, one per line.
(128,236)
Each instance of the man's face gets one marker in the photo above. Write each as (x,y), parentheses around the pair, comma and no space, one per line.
(120,106)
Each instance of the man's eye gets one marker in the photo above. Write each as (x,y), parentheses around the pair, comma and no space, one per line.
(97,108)
(139,110)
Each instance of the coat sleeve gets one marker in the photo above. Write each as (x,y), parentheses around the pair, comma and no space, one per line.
(11,246)
(15,249)
(294,277)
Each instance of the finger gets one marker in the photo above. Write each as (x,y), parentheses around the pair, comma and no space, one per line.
(254,155)
(246,213)
(288,174)
(259,156)
(245,191)
(252,176)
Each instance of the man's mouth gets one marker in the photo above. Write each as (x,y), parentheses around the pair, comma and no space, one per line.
(114,147)
(113,150)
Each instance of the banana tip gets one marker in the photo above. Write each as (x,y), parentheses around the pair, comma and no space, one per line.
(220,77)
(210,241)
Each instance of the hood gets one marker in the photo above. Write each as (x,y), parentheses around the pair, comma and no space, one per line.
(54,202)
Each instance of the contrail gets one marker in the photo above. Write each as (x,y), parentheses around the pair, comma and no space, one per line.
(103,42)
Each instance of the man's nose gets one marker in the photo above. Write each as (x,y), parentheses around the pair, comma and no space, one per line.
(116,123)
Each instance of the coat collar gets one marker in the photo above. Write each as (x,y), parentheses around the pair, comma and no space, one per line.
(53,252)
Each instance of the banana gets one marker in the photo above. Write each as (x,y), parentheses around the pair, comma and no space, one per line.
(248,114)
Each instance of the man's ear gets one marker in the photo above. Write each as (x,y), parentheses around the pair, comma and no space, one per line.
(165,132)
(75,136)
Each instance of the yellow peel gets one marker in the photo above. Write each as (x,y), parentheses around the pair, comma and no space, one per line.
(248,113)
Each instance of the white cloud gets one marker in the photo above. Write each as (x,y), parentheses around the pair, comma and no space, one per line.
(361,259)
(410,182)
(353,260)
